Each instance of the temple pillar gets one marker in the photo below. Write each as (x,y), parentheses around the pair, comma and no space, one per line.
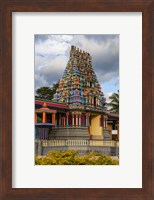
(64,121)
(110,135)
(79,119)
(59,120)
(105,122)
(87,120)
(76,119)
(72,119)
(44,118)
(67,119)
(35,118)
(53,118)
(56,120)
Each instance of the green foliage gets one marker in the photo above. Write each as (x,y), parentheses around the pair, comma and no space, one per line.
(47,92)
(114,104)
(72,157)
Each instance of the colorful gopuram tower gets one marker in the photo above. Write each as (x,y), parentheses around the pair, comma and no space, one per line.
(79,87)
(81,91)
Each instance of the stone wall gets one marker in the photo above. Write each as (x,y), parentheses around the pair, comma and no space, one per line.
(108,151)
(105,150)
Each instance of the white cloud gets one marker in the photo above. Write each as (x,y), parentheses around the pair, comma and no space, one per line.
(107,95)
(52,54)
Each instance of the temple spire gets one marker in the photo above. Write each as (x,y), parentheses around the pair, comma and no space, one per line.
(79,84)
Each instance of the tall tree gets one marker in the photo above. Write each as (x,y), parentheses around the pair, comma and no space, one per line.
(54,87)
(47,92)
(114,103)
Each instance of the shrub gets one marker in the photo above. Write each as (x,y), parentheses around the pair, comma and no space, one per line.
(73,157)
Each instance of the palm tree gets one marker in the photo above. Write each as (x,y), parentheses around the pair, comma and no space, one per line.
(114,103)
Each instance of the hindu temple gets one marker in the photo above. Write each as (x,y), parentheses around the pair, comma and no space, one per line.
(77,113)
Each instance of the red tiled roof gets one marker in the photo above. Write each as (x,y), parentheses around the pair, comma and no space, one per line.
(52,104)
(46,110)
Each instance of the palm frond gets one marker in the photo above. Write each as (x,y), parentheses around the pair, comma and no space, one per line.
(114,103)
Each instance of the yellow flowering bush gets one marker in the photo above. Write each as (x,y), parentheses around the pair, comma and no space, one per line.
(73,157)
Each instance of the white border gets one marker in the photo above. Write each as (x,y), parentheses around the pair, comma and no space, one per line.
(129,173)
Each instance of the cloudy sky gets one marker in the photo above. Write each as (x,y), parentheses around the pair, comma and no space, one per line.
(52,54)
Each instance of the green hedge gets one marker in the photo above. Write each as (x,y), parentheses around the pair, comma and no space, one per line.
(72,157)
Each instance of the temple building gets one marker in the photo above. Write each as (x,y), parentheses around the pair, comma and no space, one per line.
(78,110)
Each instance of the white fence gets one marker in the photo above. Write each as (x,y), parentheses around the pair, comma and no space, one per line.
(46,143)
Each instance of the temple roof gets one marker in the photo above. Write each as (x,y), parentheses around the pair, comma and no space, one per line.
(50,104)
(113,116)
